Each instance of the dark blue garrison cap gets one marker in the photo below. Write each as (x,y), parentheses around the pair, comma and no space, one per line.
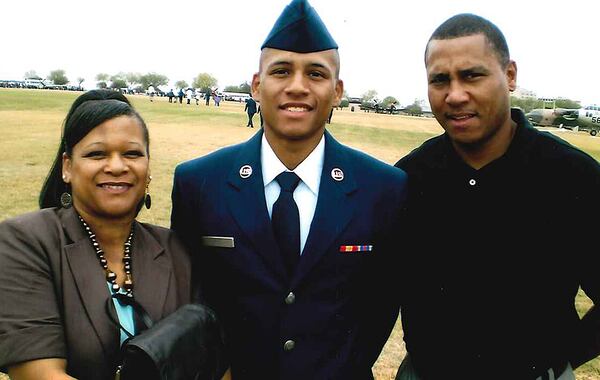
(299,29)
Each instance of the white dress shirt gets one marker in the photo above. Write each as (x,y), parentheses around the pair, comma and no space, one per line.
(307,192)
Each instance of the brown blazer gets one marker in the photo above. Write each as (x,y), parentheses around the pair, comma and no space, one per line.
(53,290)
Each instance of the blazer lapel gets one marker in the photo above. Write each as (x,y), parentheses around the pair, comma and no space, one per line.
(247,204)
(90,281)
(334,209)
(151,270)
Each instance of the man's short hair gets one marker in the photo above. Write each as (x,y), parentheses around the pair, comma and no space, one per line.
(468,24)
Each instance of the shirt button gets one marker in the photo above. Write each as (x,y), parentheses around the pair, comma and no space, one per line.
(290,299)
(472,182)
(289,345)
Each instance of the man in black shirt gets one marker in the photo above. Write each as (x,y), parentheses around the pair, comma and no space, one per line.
(498,215)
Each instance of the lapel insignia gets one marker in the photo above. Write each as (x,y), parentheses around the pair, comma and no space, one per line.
(337,174)
(245,171)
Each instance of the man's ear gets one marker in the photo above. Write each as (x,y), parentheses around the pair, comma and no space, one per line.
(256,86)
(339,92)
(511,75)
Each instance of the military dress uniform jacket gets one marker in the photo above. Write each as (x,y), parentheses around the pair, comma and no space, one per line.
(54,291)
(331,317)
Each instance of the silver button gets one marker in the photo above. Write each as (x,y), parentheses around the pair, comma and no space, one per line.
(472,182)
(289,345)
(290,299)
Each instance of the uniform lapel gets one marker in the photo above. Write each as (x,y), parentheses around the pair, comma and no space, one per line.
(90,280)
(151,271)
(247,204)
(334,209)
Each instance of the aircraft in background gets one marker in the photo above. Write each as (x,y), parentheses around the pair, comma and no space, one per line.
(548,117)
(588,119)
(582,119)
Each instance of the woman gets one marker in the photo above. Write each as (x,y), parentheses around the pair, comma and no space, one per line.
(61,266)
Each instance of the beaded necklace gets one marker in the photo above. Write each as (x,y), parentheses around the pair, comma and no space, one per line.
(111,276)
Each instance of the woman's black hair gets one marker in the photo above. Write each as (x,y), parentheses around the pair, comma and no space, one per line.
(87,112)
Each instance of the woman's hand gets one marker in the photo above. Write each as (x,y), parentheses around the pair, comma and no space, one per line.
(40,369)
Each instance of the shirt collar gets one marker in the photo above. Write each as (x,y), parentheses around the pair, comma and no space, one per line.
(518,148)
(309,170)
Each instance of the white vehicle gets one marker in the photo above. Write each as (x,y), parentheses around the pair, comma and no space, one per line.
(34,83)
(235,96)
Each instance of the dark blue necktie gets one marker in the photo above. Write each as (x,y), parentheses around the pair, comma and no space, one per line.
(286,220)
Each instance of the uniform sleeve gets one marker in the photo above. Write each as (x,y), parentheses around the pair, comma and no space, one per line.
(383,298)
(30,321)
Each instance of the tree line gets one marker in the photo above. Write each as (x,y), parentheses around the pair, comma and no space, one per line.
(528,104)
(58,77)
(137,82)
(140,82)
(206,82)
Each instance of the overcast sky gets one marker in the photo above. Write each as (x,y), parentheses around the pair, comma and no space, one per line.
(555,43)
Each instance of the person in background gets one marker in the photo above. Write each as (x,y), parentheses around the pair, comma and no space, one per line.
(490,276)
(392,108)
(189,95)
(151,92)
(250,108)
(259,114)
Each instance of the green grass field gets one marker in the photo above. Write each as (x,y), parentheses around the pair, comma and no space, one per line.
(31,121)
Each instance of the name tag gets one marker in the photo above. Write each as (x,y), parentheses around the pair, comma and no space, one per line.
(218,241)
(355,248)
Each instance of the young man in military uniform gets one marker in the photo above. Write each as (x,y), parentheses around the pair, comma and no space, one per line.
(292,231)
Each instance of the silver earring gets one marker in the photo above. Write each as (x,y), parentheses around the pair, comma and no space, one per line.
(66,200)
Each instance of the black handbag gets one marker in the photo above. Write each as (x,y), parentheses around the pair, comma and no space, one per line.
(186,345)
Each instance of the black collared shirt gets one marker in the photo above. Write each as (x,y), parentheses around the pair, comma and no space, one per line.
(497,256)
